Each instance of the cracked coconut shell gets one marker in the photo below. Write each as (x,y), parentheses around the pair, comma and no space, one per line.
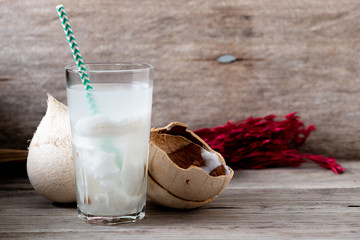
(184,172)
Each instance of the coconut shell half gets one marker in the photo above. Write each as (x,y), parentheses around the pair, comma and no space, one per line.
(178,169)
(163,197)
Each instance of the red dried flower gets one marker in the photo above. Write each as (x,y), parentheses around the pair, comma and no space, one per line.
(258,143)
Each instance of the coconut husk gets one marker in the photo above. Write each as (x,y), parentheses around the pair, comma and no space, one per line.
(176,176)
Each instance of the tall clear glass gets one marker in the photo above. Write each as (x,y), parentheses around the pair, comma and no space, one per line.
(110,128)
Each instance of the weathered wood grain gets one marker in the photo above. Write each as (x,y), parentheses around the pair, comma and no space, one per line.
(11,155)
(291,56)
(302,203)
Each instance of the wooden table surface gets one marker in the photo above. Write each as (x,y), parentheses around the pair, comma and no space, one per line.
(287,203)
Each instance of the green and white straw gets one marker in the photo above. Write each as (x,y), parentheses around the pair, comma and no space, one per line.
(78,59)
(107,145)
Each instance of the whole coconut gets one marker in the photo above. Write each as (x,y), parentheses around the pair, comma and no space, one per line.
(50,162)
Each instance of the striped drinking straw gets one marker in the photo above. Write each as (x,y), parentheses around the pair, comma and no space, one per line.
(78,59)
(107,145)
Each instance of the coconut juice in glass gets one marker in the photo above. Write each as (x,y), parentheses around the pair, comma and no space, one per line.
(111,144)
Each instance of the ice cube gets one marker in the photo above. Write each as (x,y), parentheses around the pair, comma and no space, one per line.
(99,163)
(100,126)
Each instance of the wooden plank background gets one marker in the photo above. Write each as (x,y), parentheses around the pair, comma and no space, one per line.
(292,55)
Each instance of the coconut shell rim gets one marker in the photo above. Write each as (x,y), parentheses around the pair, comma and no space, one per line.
(198,168)
(208,148)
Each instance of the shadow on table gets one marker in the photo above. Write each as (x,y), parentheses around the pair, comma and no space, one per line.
(65,205)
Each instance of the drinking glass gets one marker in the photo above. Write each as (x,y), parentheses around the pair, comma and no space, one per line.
(110,128)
